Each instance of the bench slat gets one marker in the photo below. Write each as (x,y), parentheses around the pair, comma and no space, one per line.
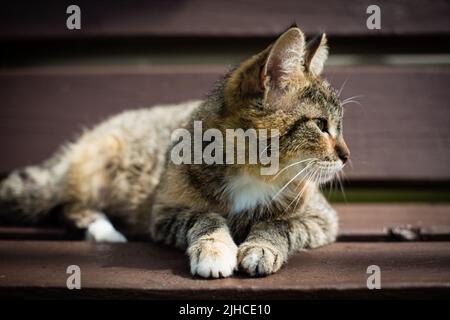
(400,133)
(358,222)
(390,222)
(32,233)
(245,18)
(150,271)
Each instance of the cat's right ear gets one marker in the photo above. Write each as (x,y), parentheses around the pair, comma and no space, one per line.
(316,54)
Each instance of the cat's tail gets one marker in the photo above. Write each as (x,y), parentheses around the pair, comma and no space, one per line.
(27,195)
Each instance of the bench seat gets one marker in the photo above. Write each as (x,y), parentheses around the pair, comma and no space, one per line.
(412,268)
(143,270)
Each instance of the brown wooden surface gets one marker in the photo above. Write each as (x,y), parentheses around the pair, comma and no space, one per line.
(37,19)
(384,222)
(400,132)
(142,270)
(358,222)
(32,233)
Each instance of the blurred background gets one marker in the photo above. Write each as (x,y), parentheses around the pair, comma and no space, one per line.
(127,54)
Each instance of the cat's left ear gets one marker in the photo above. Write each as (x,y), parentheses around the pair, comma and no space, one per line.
(284,65)
(316,54)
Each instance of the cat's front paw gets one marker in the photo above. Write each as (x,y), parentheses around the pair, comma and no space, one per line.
(213,259)
(259,259)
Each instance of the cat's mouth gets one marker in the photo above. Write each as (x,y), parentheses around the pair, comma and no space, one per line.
(324,171)
(312,170)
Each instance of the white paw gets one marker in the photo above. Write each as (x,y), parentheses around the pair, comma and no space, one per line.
(258,259)
(213,259)
(101,230)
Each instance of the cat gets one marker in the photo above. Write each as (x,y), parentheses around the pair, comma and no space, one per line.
(226,217)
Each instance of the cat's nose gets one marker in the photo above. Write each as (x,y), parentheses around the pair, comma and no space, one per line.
(343,153)
(344,157)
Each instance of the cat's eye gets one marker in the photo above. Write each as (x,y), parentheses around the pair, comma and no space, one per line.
(321,124)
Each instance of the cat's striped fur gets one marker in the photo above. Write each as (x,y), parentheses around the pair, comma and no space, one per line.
(225,216)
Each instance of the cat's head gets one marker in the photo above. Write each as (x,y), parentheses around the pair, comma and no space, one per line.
(281,88)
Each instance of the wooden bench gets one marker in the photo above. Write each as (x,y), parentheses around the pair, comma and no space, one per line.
(397,214)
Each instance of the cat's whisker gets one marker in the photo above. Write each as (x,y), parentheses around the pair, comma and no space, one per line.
(289,182)
(350,162)
(320,179)
(317,177)
(342,87)
(332,185)
(291,165)
(269,145)
(351,101)
(331,189)
(343,176)
(299,195)
(328,186)
(262,152)
(335,183)
(309,178)
(313,178)
(354,97)
(342,187)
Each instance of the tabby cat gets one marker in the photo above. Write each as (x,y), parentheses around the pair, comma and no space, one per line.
(226,217)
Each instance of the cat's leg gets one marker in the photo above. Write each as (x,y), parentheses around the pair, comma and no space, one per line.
(210,247)
(97,226)
(269,243)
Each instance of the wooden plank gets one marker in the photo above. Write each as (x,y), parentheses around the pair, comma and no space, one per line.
(25,19)
(142,270)
(400,132)
(393,222)
(358,222)
(41,110)
(32,233)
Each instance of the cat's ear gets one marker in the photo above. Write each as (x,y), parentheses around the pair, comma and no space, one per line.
(274,68)
(285,60)
(245,82)
(316,54)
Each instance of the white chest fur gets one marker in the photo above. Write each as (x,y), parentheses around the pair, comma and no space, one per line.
(246,193)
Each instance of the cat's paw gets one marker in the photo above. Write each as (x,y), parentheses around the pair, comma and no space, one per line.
(102,230)
(213,259)
(259,259)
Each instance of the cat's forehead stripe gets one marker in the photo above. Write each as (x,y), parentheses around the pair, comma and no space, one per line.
(323,95)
